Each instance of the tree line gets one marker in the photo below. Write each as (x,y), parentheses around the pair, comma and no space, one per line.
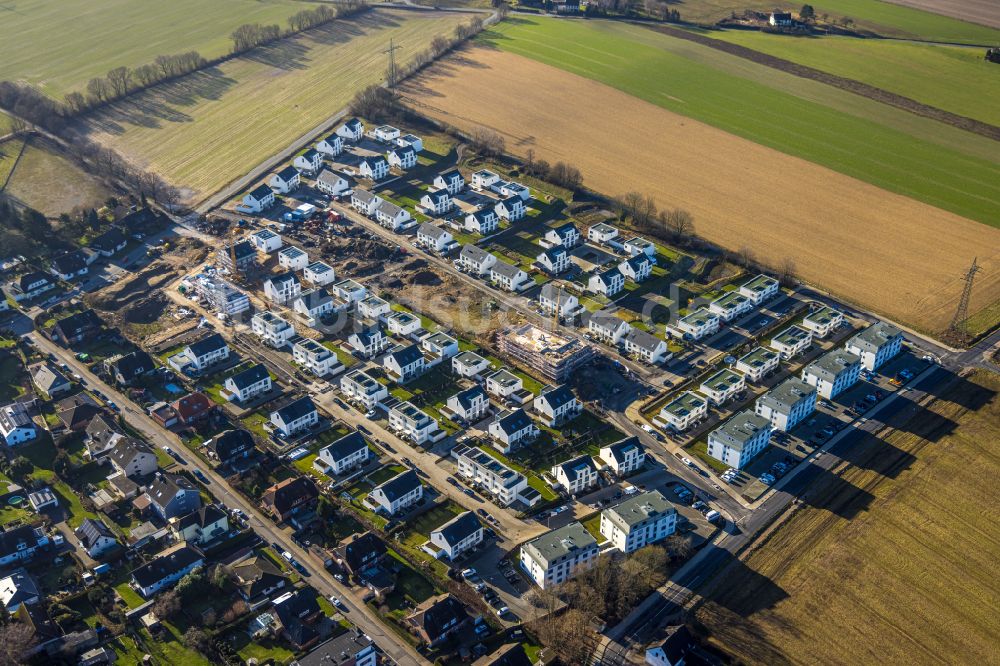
(251,35)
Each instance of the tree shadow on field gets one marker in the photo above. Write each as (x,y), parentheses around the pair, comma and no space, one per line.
(456,64)
(958,390)
(287,54)
(345,30)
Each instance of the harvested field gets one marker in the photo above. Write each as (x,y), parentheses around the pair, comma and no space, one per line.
(42,165)
(206,129)
(884,251)
(983,12)
(892,561)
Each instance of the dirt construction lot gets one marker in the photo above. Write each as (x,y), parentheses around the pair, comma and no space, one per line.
(878,249)
(893,560)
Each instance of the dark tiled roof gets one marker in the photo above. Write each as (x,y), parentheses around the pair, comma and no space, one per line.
(346,446)
(290,492)
(296,409)
(400,485)
(231,443)
(207,345)
(165,565)
(250,376)
(91,530)
(460,527)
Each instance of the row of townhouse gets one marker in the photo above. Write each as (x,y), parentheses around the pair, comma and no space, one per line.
(607,327)
(582,473)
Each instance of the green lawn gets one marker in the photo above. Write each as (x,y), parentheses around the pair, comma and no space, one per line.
(931,162)
(10,374)
(345,357)
(952,78)
(430,520)
(255,424)
(593,525)
(262,651)
(534,480)
(128,595)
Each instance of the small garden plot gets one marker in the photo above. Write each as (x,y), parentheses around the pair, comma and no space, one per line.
(412,588)
(345,357)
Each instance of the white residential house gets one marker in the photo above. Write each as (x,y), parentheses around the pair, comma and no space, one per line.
(758,363)
(469,364)
(608,327)
(503,384)
(437,203)
(266,241)
(722,386)
(738,441)
(352,130)
(607,283)
(556,556)
(202,354)
(350,291)
(484,179)
(780,19)
(375,168)
(282,288)
(361,387)
(501,483)
(511,209)
(791,342)
(787,404)
(576,475)
(272,329)
(565,234)
(684,411)
(760,289)
(331,184)
(374,307)
(624,456)
(439,346)
(403,324)
(645,346)
(458,536)
(731,305)
(554,260)
(319,273)
(248,384)
(295,417)
(397,494)
(365,202)
(511,189)
(316,358)
(638,245)
(259,199)
(285,181)
(512,429)
(16,426)
(369,341)
(402,158)
(404,364)
(332,145)
(508,277)
(391,216)
(639,521)
(876,344)
(292,258)
(557,405)
(602,233)
(699,324)
(313,305)
(555,300)
(470,405)
(483,221)
(823,321)
(410,141)
(434,238)
(637,268)
(310,161)
(386,133)
(476,260)
(833,373)
(413,424)
(452,181)
(344,454)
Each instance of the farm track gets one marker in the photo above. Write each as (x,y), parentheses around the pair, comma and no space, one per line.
(850,85)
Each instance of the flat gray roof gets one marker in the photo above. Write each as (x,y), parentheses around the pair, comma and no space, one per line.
(639,509)
(740,429)
(787,394)
(875,336)
(832,364)
(559,543)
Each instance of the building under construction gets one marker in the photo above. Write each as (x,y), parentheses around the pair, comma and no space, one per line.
(550,355)
(238,258)
(221,295)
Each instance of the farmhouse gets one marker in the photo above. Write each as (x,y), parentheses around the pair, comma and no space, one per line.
(292,258)
(575,476)
(512,429)
(402,158)
(559,555)
(823,321)
(502,483)
(731,306)
(286,180)
(758,364)
(760,289)
(645,346)
(684,411)
(434,238)
(310,161)
(249,383)
(737,441)
(458,536)
(791,342)
(469,405)
(722,386)
(565,234)
(413,424)
(451,181)
(833,373)
(787,404)
(469,364)
(483,221)
(699,324)
(332,145)
(364,201)
(639,521)
(437,202)
(316,358)
(361,387)
(607,326)
(780,19)
(624,457)
(319,273)
(556,405)
(508,277)
(554,300)
(554,260)
(282,288)
(331,184)
(607,283)
(602,233)
(391,216)
(259,199)
(375,168)
(266,241)
(296,416)
(352,130)
(876,344)
(511,209)
(349,452)
(272,329)
(475,259)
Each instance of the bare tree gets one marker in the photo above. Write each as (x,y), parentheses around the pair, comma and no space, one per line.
(120,79)
(786,272)
(746,257)
(679,224)
(679,546)
(15,638)
(98,89)
(487,142)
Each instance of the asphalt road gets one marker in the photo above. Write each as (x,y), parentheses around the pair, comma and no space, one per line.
(357,612)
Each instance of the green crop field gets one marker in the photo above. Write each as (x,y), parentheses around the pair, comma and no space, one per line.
(880,17)
(59,46)
(893,149)
(206,129)
(953,78)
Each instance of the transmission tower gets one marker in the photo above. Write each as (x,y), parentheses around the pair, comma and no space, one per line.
(391,51)
(962,313)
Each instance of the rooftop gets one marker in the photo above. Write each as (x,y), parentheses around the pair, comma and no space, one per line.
(560,542)
(684,404)
(823,316)
(740,429)
(787,394)
(723,380)
(830,365)
(636,510)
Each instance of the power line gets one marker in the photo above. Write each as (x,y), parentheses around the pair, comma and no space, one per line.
(962,312)
(391,51)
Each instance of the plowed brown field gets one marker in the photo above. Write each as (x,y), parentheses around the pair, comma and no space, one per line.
(984,12)
(881,250)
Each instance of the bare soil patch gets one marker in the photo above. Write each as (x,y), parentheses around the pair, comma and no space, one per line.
(881,250)
(983,12)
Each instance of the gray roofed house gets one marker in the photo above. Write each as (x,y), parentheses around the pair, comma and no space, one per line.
(556,293)
(173,495)
(165,569)
(457,536)
(740,429)
(389,209)
(787,404)
(433,231)
(250,376)
(129,366)
(17,588)
(506,270)
(95,537)
(398,493)
(364,196)
(231,445)
(639,509)
(49,380)
(543,556)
